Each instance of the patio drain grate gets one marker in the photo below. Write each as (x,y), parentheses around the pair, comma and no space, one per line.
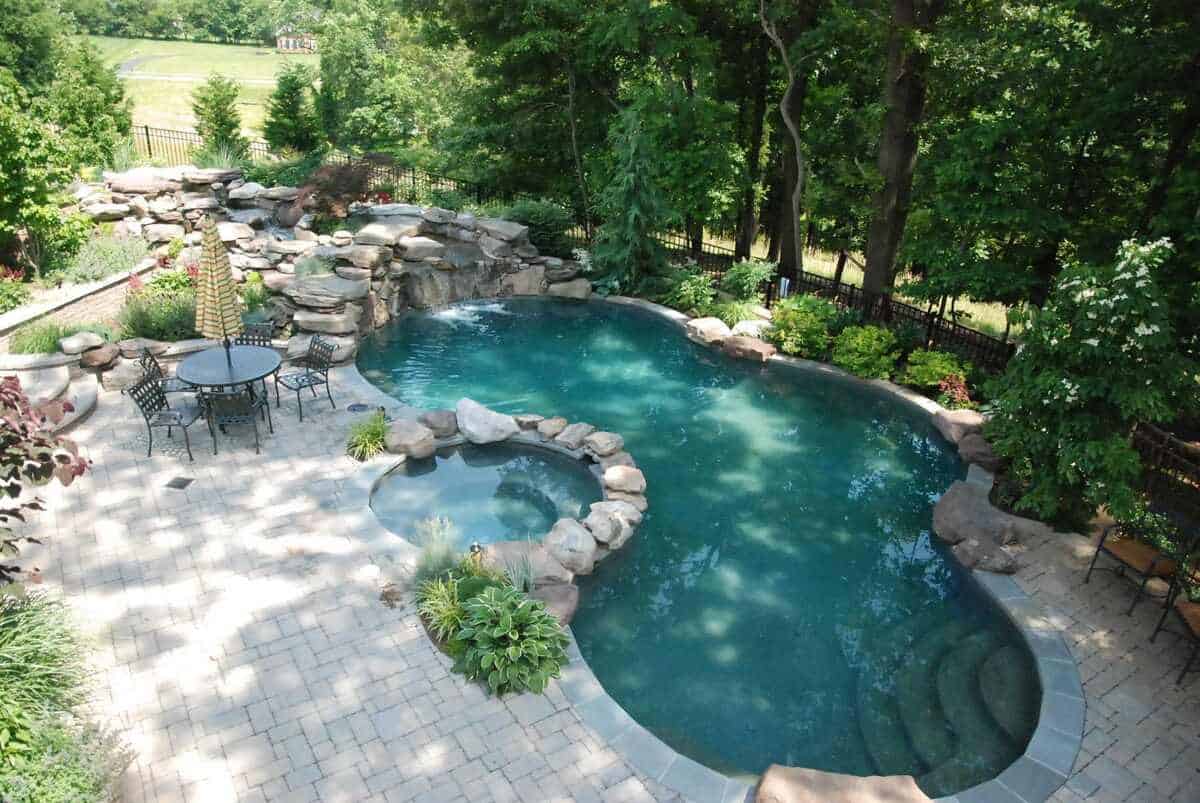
(179,483)
(358,407)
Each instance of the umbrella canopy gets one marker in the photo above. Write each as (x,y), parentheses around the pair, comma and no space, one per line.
(218,308)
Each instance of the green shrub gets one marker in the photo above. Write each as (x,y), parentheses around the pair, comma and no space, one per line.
(800,326)
(367,436)
(926,369)
(439,605)
(510,641)
(692,290)
(43,337)
(286,172)
(744,280)
(548,224)
(66,761)
(909,337)
(175,248)
(124,156)
(454,200)
(731,312)
(101,257)
(167,317)
(437,538)
(866,351)
(843,319)
(42,664)
(13,293)
(313,266)
(218,122)
(225,156)
(291,119)
(254,292)
(169,283)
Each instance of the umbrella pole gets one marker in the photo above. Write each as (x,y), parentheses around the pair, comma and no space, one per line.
(228,354)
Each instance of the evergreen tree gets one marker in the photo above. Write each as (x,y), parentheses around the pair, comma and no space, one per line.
(291,118)
(214,103)
(87,104)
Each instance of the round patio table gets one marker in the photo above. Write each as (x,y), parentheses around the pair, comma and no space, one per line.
(244,365)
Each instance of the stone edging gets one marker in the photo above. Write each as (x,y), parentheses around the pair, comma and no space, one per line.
(1035,776)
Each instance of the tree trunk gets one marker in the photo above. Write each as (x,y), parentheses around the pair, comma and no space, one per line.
(748,224)
(579,177)
(841,267)
(904,99)
(1184,128)
(787,222)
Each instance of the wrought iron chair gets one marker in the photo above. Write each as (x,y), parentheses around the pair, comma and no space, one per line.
(241,407)
(152,368)
(315,362)
(151,399)
(1120,543)
(258,334)
(1188,613)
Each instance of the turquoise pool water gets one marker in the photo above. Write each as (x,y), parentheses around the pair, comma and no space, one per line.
(783,601)
(495,493)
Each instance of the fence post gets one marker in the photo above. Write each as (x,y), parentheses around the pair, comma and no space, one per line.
(149,148)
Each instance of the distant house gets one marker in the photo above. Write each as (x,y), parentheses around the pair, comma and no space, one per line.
(289,40)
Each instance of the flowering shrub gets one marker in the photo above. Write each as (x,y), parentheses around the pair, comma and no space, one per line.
(1100,358)
(939,370)
(953,393)
(800,326)
(867,351)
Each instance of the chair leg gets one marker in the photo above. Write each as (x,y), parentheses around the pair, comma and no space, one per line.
(150,445)
(188,443)
(330,395)
(1137,595)
(1092,566)
(267,410)
(254,423)
(1162,620)
(1187,666)
(276,393)
(300,404)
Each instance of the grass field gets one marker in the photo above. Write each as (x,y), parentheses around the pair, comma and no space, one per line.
(160,75)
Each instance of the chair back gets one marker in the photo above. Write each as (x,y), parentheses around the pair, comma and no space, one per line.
(149,396)
(256,334)
(320,355)
(150,366)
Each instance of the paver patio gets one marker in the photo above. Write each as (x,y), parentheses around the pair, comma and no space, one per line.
(245,652)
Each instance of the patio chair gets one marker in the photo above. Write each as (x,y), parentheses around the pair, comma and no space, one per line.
(315,362)
(1188,613)
(151,367)
(242,407)
(1119,542)
(258,334)
(151,399)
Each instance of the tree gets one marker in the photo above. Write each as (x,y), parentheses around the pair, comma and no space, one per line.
(291,121)
(626,251)
(29,35)
(214,104)
(87,104)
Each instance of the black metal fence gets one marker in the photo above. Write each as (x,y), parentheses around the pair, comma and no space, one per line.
(405,183)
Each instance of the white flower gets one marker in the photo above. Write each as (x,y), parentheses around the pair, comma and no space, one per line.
(1093,342)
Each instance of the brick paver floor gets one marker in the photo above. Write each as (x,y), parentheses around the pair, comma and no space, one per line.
(243,649)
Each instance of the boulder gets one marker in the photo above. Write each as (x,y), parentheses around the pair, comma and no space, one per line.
(162,232)
(144,181)
(528,421)
(198,201)
(560,599)
(355,274)
(505,230)
(478,424)
(612,522)
(131,348)
(572,545)
(974,448)
(546,570)
(576,288)
(495,249)
(625,479)
(616,459)
(290,247)
(277,282)
(410,438)
(326,290)
(278,194)
(573,435)
(101,357)
(955,424)
(204,176)
(123,374)
(528,281)
(255,218)
(249,262)
(246,192)
(755,328)
(368,256)
(707,331)
(443,423)
(388,232)
(80,342)
(638,501)
(393,210)
(549,428)
(333,323)
(344,348)
(163,204)
(420,247)
(139,206)
(603,444)
(780,784)
(973,553)
(106,211)
(560,273)
(232,232)
(964,515)
(436,214)
(748,348)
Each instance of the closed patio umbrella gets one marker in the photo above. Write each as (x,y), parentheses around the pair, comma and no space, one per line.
(218,309)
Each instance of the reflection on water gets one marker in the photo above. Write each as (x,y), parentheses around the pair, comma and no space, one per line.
(500,492)
(783,600)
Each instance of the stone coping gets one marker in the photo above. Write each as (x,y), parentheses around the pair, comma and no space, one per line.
(1036,775)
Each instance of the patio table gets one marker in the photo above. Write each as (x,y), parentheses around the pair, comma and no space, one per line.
(243,366)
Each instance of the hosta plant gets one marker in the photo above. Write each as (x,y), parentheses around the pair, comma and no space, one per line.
(510,642)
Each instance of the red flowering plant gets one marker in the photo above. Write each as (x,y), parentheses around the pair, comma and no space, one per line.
(953,392)
(30,454)
(135,283)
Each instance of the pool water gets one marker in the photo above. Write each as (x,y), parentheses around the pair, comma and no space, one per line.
(783,600)
(499,492)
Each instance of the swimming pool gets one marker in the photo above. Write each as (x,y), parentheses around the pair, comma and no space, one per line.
(783,601)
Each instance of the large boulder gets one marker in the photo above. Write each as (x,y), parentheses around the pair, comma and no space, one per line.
(246,192)
(976,530)
(572,545)
(163,232)
(388,231)
(80,342)
(204,176)
(612,522)
(326,291)
(478,424)
(232,232)
(106,211)
(549,428)
(780,784)
(747,348)
(144,181)
(707,331)
(573,435)
(410,438)
(333,323)
(505,230)
(974,448)
(123,374)
(444,423)
(576,288)
(279,194)
(289,248)
(420,247)
(529,281)
(603,444)
(561,600)
(546,570)
(344,348)
(254,218)
(393,210)
(957,424)
(625,479)
(100,358)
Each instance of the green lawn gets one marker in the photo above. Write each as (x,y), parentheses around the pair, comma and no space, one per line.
(160,76)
